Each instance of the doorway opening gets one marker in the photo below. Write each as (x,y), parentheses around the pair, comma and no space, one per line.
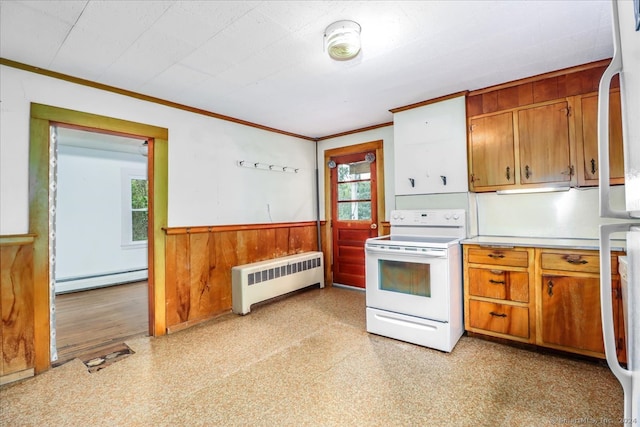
(100,244)
(43,117)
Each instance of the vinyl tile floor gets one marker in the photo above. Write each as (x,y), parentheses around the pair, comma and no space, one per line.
(307,360)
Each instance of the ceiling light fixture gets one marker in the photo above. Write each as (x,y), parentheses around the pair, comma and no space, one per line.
(342,40)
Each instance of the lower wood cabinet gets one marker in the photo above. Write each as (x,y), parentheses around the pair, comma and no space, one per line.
(568,301)
(542,296)
(570,313)
(498,289)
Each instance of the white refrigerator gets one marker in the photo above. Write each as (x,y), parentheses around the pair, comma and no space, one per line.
(626,63)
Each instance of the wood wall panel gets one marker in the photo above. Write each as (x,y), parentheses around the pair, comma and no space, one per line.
(17,330)
(198,266)
(559,84)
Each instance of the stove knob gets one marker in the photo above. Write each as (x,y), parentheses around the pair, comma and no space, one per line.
(456,217)
(447,216)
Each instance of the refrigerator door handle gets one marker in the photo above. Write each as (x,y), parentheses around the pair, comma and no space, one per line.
(623,375)
(615,67)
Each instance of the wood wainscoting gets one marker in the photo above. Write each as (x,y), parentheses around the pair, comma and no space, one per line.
(199,262)
(17,329)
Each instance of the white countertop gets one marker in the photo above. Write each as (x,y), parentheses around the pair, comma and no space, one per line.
(542,242)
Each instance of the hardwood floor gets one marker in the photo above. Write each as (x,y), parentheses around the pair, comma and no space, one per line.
(95,318)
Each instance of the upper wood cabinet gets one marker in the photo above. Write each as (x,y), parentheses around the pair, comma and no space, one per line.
(587,139)
(430,148)
(524,147)
(543,134)
(492,150)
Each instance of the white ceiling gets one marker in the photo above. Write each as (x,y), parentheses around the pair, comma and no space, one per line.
(263,61)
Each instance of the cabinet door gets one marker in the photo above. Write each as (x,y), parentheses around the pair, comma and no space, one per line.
(588,173)
(492,152)
(544,144)
(570,313)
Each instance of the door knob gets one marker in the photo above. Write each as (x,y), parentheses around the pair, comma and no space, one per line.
(374,226)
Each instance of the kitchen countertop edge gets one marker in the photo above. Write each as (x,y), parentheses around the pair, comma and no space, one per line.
(542,242)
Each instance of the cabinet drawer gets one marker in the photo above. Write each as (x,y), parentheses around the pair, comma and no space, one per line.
(501,318)
(499,284)
(567,261)
(497,256)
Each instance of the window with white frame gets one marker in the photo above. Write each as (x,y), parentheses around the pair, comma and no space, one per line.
(135,208)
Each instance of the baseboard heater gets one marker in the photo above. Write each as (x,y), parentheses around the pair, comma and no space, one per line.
(260,281)
(82,283)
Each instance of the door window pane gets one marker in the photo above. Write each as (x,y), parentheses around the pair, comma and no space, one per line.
(354,210)
(353,171)
(405,277)
(354,191)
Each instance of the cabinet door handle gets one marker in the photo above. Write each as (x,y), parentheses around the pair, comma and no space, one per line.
(593,167)
(569,171)
(497,282)
(566,111)
(527,172)
(508,174)
(496,256)
(550,288)
(444,179)
(576,260)
(493,313)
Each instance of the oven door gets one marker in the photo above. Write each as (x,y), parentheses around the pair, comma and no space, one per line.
(412,282)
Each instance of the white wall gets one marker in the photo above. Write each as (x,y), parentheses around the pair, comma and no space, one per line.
(89,239)
(205,185)
(386,135)
(566,214)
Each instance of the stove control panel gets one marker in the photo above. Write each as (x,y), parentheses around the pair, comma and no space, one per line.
(428,218)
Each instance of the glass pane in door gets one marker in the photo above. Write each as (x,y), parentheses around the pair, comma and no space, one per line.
(354,210)
(405,277)
(360,190)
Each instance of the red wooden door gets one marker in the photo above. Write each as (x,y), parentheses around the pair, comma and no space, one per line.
(354,214)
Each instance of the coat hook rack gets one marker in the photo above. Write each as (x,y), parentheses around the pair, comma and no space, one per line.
(267,167)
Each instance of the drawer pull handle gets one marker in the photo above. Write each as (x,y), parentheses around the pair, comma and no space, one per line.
(497,282)
(497,272)
(493,313)
(496,256)
(576,260)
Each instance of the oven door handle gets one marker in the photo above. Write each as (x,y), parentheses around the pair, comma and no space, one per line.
(431,253)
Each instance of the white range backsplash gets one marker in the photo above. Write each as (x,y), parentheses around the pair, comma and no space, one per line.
(565,214)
